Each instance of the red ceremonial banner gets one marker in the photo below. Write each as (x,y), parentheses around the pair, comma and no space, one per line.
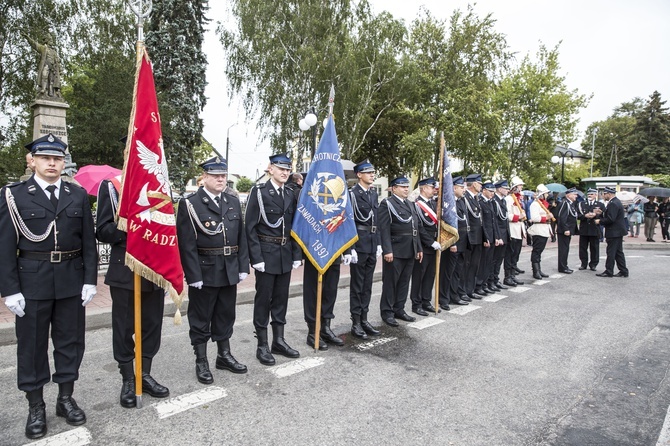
(146,212)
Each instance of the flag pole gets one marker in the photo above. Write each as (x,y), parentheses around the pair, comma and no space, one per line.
(317,325)
(439,226)
(142,9)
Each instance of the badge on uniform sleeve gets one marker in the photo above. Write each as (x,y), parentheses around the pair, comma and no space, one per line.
(207,224)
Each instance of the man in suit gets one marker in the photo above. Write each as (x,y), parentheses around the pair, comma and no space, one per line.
(214,255)
(589,231)
(490,241)
(475,237)
(121,287)
(566,226)
(423,273)
(399,226)
(273,253)
(614,221)
(500,212)
(451,263)
(48,263)
(364,203)
(516,217)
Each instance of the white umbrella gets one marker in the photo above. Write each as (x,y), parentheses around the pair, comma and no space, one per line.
(626,197)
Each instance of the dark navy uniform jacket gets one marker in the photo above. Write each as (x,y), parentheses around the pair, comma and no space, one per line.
(279,254)
(566,221)
(476,232)
(364,204)
(200,253)
(398,238)
(614,219)
(42,279)
(588,226)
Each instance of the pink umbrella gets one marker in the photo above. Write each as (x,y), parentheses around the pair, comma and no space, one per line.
(91,176)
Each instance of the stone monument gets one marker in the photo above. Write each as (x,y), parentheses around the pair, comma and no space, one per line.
(49,108)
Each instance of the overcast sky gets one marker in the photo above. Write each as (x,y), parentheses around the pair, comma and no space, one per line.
(615,50)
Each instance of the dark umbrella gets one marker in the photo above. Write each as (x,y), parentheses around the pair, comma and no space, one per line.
(655,192)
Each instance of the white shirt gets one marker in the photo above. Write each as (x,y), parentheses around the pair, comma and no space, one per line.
(43,184)
(211,195)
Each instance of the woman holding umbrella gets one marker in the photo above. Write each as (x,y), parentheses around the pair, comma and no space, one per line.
(635,214)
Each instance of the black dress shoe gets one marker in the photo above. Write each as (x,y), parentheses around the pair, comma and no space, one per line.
(390,321)
(509,281)
(475,296)
(566,271)
(322,344)
(369,329)
(465,298)
(420,311)
(519,271)
(446,307)
(406,317)
(592,268)
(263,355)
(481,292)
(280,347)
(329,336)
(226,361)
(517,281)
(582,268)
(490,289)
(620,274)
(605,274)
(501,286)
(430,309)
(67,407)
(151,386)
(461,302)
(36,426)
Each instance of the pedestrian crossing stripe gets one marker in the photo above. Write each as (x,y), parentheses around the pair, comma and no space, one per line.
(519,289)
(374,343)
(557,276)
(188,401)
(297,366)
(75,437)
(494,298)
(464,309)
(540,282)
(425,323)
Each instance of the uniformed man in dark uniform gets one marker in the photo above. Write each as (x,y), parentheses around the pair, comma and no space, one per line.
(475,235)
(614,221)
(500,213)
(423,274)
(490,241)
(451,264)
(214,255)
(589,231)
(121,287)
(399,226)
(48,264)
(273,252)
(566,226)
(364,202)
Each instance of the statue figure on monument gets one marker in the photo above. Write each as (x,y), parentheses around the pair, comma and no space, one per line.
(48,72)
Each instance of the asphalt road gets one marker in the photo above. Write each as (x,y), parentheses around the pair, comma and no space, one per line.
(577,360)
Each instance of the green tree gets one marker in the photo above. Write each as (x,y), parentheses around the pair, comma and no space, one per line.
(174,41)
(244,184)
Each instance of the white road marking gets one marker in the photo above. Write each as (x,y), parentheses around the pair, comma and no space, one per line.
(664,437)
(464,309)
(540,282)
(188,401)
(76,437)
(374,343)
(634,257)
(425,323)
(494,298)
(557,276)
(297,366)
(519,289)
(7,369)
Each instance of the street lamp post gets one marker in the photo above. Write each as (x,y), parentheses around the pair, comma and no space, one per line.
(593,146)
(228,141)
(559,155)
(309,121)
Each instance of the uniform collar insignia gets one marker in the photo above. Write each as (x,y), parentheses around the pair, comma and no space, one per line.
(31,189)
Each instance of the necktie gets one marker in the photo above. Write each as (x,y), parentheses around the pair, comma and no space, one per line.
(281,192)
(218,201)
(52,190)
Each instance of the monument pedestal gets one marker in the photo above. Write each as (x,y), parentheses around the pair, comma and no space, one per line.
(50,117)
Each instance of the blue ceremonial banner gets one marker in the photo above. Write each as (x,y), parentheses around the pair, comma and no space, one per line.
(324,223)
(449,227)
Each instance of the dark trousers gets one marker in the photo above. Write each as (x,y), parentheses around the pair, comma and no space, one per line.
(498,259)
(123,323)
(589,243)
(447,265)
(664,228)
(539,243)
(211,313)
(456,289)
(329,283)
(423,278)
(472,257)
(512,254)
(360,287)
(615,253)
(485,266)
(563,251)
(66,319)
(395,284)
(271,298)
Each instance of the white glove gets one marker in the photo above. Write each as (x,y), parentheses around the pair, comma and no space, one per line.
(197,285)
(346,259)
(354,256)
(260,267)
(379,250)
(16,303)
(87,293)
(296,264)
(436,246)
(243,276)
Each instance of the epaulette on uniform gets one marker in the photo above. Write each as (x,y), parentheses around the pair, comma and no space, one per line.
(261,186)
(18,183)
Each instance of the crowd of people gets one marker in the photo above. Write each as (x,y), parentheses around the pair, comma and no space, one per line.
(49,264)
